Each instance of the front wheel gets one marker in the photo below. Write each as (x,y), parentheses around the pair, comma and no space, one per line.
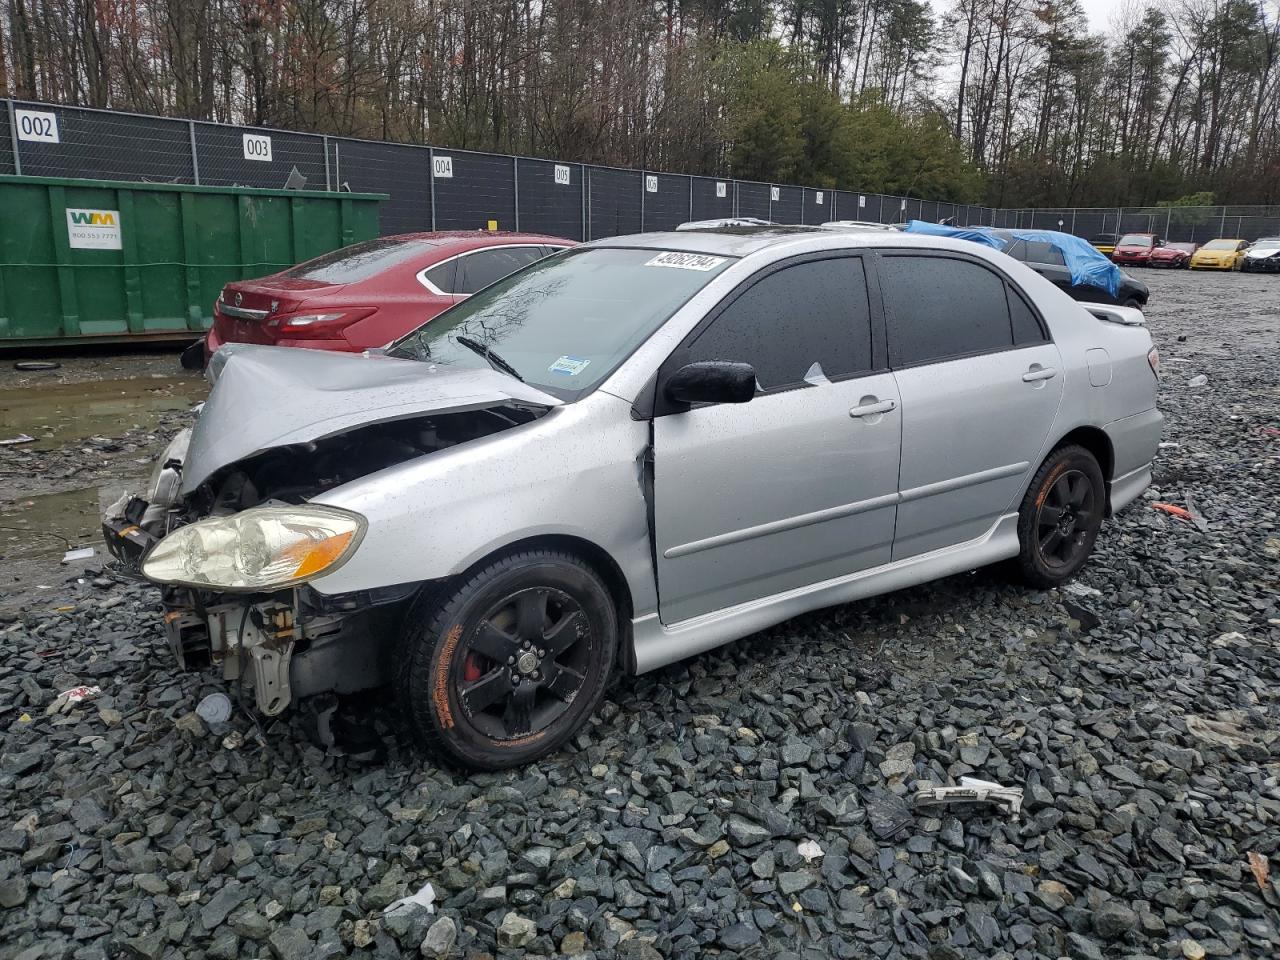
(1060,516)
(506,667)
(1133,302)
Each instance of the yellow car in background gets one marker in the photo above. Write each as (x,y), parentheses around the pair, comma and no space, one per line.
(1220,255)
(1104,243)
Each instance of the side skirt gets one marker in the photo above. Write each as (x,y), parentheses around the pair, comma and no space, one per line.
(657,644)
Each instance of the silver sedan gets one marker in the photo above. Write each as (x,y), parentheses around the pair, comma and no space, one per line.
(629,453)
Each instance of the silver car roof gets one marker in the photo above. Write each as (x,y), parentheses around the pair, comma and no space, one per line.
(743,241)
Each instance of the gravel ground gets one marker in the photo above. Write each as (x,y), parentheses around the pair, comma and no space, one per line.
(1139,710)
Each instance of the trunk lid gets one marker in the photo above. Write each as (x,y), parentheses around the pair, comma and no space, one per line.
(266,397)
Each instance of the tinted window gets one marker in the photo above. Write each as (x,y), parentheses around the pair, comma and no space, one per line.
(360,261)
(783,324)
(1017,250)
(477,270)
(441,275)
(943,308)
(1026,328)
(1040,252)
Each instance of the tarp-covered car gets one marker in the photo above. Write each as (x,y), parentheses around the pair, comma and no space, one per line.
(627,454)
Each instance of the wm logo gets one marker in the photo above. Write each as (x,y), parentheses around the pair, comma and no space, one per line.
(92,218)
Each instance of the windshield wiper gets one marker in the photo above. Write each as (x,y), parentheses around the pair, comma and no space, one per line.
(494,360)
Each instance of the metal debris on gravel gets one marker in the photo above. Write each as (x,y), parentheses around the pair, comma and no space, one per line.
(1139,717)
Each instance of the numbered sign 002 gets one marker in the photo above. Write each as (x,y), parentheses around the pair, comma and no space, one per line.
(257,146)
(36,126)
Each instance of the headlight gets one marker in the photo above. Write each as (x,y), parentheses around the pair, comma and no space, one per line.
(265,548)
(162,488)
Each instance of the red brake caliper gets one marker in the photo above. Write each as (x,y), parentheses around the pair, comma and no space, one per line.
(471,668)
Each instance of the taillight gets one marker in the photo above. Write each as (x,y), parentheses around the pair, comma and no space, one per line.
(327,324)
(1153,358)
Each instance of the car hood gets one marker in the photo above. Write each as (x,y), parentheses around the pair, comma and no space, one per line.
(266,397)
(1263,253)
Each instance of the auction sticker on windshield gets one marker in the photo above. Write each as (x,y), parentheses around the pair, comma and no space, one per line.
(685,261)
(570,366)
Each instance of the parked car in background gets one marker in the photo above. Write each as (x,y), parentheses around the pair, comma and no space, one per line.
(1263,256)
(1173,255)
(1049,262)
(629,454)
(370,293)
(722,222)
(1104,242)
(1135,249)
(1222,254)
(855,225)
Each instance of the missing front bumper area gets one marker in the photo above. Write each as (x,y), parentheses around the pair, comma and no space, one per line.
(283,647)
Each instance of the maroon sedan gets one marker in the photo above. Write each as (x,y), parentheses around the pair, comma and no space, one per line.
(1175,256)
(1135,249)
(370,293)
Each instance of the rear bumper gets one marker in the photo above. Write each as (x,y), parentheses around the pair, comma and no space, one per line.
(1134,441)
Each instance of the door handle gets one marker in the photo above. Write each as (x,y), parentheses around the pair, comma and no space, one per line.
(1039,373)
(872,409)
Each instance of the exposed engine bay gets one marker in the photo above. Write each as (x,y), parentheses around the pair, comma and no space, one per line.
(294,642)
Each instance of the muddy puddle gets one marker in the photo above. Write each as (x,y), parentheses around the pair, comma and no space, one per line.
(54,414)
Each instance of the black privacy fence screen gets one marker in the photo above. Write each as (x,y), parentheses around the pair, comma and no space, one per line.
(430,188)
(437,188)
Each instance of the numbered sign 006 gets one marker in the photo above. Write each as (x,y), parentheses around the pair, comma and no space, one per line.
(257,146)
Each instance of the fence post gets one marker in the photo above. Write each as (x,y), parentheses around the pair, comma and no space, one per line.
(515,187)
(195,157)
(690,198)
(328,180)
(582,190)
(1223,230)
(642,176)
(1168,222)
(13,137)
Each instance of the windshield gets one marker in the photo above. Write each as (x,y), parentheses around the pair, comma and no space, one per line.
(1134,240)
(360,261)
(1221,245)
(563,324)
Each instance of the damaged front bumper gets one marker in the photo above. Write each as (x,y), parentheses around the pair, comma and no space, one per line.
(285,646)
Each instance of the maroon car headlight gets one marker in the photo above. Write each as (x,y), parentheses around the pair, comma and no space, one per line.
(321,323)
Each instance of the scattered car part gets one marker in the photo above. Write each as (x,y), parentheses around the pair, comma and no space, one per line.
(972,790)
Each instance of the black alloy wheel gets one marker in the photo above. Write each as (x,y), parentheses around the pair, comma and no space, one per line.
(505,665)
(1060,516)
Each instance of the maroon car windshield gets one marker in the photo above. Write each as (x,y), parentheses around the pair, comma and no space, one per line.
(1135,240)
(360,261)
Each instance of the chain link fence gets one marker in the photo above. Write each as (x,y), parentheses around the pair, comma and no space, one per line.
(432,188)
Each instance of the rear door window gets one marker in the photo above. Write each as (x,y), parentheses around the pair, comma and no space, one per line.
(477,270)
(808,313)
(1040,252)
(941,307)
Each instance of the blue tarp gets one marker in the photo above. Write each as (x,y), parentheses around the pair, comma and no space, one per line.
(1086,264)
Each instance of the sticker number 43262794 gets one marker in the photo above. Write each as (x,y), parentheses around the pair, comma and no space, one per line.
(685,261)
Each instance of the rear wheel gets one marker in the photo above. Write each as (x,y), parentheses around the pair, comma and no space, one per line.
(1133,302)
(1060,516)
(506,667)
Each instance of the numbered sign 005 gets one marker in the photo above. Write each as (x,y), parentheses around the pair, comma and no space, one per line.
(562,174)
(36,125)
(257,146)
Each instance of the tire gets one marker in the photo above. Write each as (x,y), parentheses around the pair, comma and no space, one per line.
(1132,302)
(505,667)
(1060,517)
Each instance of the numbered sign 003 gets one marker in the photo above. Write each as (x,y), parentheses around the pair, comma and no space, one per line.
(257,146)
(36,126)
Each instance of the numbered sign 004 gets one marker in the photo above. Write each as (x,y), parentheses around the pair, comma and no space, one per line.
(36,126)
(442,167)
(257,146)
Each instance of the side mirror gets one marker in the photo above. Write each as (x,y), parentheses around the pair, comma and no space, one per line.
(712,381)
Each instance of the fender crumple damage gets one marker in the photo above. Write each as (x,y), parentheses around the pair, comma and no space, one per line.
(283,426)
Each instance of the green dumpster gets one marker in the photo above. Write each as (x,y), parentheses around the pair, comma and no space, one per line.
(94,261)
